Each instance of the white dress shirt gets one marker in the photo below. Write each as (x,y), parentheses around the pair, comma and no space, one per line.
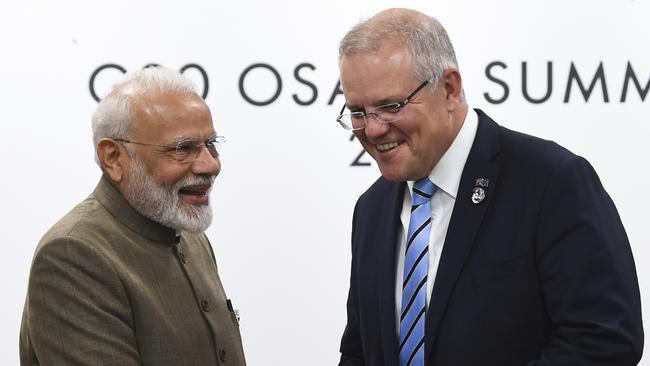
(446,176)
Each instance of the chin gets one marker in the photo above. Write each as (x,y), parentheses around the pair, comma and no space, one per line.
(399,174)
(393,176)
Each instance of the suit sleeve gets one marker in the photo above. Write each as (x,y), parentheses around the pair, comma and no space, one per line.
(351,349)
(587,273)
(77,311)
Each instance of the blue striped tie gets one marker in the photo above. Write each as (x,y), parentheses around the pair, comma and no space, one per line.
(416,268)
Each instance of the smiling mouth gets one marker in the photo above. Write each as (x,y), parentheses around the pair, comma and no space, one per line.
(387,147)
(197,190)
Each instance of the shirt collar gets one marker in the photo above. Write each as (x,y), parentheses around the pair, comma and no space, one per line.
(115,203)
(447,172)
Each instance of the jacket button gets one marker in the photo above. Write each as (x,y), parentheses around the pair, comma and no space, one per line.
(182,256)
(222,355)
(205,305)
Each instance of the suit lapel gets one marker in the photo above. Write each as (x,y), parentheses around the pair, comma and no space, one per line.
(386,258)
(465,221)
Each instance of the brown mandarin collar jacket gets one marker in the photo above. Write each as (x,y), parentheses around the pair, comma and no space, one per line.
(109,286)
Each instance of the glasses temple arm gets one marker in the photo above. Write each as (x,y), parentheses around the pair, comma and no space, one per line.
(408,99)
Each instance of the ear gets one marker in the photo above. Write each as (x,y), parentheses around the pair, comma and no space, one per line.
(453,87)
(112,159)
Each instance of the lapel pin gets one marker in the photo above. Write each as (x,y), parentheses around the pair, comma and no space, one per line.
(482,182)
(478,193)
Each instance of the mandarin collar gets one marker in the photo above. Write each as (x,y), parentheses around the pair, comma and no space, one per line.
(112,199)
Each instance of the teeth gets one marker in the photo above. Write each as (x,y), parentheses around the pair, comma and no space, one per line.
(388,146)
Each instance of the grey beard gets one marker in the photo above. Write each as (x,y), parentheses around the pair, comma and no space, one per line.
(161,203)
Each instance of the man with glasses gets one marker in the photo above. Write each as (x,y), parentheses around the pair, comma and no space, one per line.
(128,277)
(478,245)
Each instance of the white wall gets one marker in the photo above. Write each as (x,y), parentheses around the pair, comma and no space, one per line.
(287,267)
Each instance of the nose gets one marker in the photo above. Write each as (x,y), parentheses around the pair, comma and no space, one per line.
(205,164)
(374,128)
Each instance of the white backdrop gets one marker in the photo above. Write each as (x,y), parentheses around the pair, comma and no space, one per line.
(287,266)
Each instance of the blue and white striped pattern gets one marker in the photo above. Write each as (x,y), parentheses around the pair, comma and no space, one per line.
(414,285)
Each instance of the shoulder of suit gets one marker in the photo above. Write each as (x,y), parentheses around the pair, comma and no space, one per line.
(87,219)
(533,152)
(81,216)
(522,147)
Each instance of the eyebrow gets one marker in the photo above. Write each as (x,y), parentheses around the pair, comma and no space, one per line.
(382,102)
(351,108)
(179,139)
(389,100)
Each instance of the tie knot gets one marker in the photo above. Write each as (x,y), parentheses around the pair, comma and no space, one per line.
(423,190)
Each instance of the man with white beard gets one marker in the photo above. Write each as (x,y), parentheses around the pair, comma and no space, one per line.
(128,277)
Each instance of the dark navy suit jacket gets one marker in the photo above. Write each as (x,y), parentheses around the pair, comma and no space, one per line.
(539,273)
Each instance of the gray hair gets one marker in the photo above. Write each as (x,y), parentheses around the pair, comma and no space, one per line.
(426,40)
(113,116)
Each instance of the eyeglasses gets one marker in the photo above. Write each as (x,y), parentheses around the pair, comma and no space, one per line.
(387,113)
(186,150)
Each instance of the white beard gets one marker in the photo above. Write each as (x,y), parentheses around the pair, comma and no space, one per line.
(161,203)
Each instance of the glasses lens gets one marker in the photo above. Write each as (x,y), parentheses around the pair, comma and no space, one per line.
(389,113)
(185,150)
(344,121)
(352,121)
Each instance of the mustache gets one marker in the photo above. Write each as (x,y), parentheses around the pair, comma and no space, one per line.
(194,180)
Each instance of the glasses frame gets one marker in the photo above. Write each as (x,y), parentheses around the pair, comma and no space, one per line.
(220,140)
(376,114)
